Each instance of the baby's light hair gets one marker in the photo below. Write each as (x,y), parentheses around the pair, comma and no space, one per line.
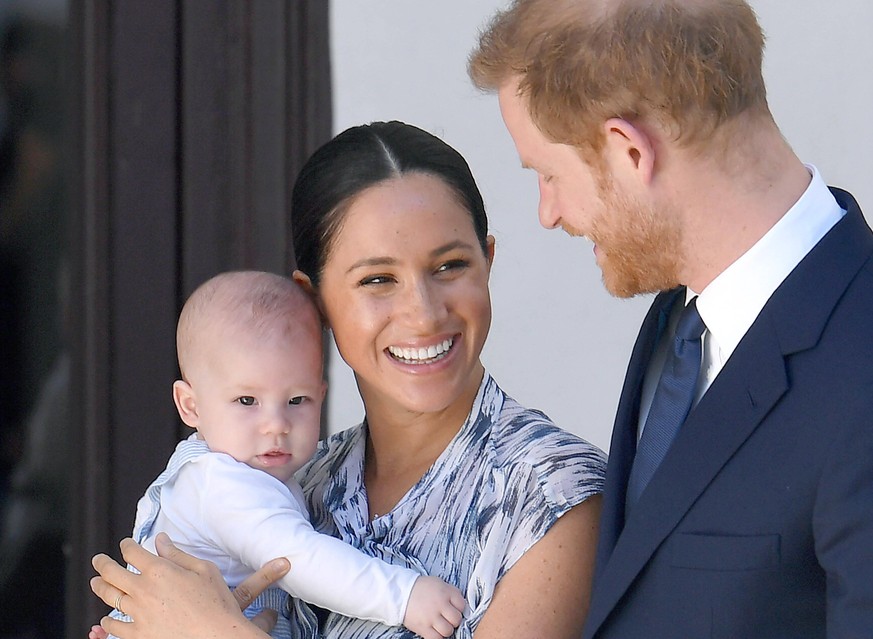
(256,303)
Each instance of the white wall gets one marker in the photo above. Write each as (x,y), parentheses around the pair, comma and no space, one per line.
(558,342)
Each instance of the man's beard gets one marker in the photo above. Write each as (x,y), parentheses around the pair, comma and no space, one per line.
(639,245)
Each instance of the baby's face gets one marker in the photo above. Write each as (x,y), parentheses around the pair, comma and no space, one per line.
(259,400)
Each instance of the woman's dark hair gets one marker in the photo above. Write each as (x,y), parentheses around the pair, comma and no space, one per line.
(362,157)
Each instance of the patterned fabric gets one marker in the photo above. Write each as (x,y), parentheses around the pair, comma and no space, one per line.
(503,481)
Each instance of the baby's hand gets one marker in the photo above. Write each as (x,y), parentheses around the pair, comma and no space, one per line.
(435,608)
(97,632)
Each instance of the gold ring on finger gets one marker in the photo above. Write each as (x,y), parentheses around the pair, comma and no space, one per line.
(118,603)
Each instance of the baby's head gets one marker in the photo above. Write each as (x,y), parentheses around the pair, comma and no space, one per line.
(250,353)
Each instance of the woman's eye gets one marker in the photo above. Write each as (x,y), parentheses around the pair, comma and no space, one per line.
(452,265)
(246,400)
(294,401)
(374,280)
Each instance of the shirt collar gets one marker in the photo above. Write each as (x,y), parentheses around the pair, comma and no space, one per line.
(732,301)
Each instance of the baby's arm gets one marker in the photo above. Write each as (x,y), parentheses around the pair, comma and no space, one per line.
(261,520)
(332,574)
(434,610)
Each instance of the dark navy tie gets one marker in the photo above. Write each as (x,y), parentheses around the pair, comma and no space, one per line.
(671,402)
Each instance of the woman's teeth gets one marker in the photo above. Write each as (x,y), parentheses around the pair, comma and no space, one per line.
(422,355)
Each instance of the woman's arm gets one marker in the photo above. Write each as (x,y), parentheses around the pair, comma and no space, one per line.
(546,593)
(179,596)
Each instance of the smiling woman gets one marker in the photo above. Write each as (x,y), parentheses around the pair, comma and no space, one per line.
(392,240)
(406,277)
(474,488)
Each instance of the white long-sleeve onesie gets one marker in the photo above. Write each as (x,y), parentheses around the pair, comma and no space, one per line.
(238,517)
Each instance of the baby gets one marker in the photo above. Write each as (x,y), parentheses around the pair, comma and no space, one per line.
(250,354)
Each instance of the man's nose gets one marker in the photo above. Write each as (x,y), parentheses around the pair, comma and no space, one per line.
(548,212)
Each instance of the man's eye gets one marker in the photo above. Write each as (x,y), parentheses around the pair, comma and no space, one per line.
(294,401)
(246,400)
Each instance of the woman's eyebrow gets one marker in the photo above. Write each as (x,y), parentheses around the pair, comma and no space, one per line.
(372,261)
(445,248)
(390,261)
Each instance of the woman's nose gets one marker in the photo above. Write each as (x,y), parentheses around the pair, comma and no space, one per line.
(424,304)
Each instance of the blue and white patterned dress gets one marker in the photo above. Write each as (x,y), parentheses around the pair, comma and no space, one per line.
(498,487)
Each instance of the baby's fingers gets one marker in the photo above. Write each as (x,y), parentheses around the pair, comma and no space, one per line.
(97,632)
(453,616)
(458,601)
(444,628)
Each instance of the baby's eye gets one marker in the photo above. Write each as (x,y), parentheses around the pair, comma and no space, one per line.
(246,400)
(294,401)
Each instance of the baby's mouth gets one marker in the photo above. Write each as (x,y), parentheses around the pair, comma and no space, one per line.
(274,458)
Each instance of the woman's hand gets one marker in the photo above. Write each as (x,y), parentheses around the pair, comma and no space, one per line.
(177,595)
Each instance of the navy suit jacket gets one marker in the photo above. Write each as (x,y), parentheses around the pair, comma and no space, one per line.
(759,522)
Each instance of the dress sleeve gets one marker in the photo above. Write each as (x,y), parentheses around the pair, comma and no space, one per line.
(256,518)
(560,472)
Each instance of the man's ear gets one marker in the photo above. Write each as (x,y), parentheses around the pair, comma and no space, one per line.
(629,151)
(186,403)
(304,281)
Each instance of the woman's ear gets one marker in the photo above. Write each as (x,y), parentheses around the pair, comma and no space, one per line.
(186,403)
(629,151)
(490,243)
(304,281)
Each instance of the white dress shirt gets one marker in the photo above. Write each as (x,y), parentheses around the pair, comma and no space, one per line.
(734,299)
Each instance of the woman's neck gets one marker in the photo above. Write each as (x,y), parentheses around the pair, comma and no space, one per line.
(402,445)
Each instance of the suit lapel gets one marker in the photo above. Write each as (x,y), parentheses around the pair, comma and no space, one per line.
(729,412)
(624,441)
(750,384)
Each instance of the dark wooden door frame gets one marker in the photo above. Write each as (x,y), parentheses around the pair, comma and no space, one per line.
(190,120)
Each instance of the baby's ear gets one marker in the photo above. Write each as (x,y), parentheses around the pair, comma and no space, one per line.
(186,403)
